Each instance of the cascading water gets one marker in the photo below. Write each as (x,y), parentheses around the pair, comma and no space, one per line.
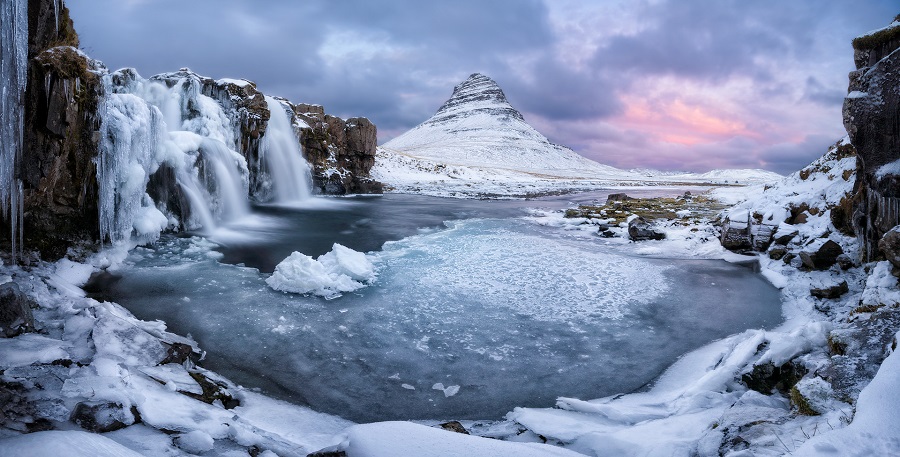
(224,166)
(172,123)
(281,158)
(13,74)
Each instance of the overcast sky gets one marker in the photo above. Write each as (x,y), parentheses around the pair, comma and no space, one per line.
(677,85)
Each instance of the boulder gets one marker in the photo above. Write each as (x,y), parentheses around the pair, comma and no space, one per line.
(736,235)
(777,253)
(767,377)
(820,254)
(15,311)
(889,245)
(101,417)
(832,291)
(454,426)
(639,230)
(785,234)
(620,197)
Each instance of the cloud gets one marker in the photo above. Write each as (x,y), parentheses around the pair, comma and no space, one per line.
(661,81)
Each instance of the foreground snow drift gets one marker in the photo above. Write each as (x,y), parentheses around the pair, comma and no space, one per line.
(391,439)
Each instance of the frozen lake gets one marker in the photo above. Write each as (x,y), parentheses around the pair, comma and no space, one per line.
(464,321)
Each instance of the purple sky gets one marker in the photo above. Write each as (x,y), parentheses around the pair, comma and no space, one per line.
(673,85)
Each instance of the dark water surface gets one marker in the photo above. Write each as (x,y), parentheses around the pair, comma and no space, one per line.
(464,321)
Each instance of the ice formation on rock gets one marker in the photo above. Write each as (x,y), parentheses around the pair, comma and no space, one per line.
(13,67)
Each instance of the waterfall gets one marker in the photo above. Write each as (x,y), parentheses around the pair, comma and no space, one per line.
(13,75)
(280,157)
(223,169)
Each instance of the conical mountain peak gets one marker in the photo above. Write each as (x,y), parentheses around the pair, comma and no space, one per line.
(477,94)
(477,127)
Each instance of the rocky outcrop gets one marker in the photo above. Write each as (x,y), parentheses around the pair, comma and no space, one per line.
(871,112)
(62,103)
(340,152)
(641,230)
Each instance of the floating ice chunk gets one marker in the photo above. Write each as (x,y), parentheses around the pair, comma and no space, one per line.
(449,391)
(343,260)
(339,270)
(408,387)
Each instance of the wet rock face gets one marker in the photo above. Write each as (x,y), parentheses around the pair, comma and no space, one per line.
(15,311)
(870,112)
(340,152)
(62,99)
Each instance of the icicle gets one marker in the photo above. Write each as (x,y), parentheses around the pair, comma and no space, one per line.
(13,73)
(56,8)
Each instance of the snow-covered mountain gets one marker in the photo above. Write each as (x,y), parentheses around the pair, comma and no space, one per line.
(477,144)
(477,127)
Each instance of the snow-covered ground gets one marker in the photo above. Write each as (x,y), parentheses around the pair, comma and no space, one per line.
(408,172)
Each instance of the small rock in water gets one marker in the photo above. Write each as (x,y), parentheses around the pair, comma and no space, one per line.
(454,426)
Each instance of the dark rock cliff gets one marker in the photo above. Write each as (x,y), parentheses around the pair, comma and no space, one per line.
(340,152)
(62,101)
(872,119)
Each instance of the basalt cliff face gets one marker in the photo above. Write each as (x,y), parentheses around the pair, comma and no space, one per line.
(60,142)
(63,104)
(872,119)
(341,152)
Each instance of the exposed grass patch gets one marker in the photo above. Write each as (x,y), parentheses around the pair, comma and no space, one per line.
(616,212)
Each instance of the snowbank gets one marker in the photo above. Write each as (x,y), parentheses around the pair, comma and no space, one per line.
(391,439)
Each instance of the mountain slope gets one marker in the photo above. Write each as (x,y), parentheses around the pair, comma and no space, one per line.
(477,127)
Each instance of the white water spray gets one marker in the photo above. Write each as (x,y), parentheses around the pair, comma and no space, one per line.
(281,158)
(225,177)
